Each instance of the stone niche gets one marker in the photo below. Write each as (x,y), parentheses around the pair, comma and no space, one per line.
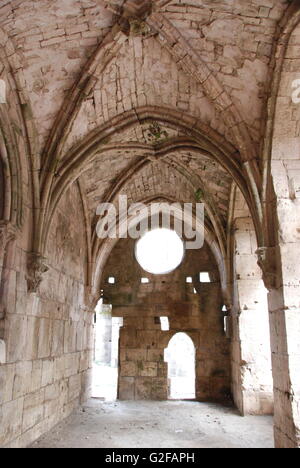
(194,308)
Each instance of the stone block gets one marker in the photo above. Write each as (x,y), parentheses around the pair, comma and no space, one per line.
(57,347)
(128,338)
(86,386)
(143,388)
(52,394)
(32,339)
(47,372)
(159,389)
(63,393)
(45,338)
(7,375)
(139,354)
(146,338)
(155,355)
(74,388)
(126,388)
(128,369)
(72,364)
(16,330)
(11,415)
(33,409)
(59,367)
(147,369)
(36,376)
(22,381)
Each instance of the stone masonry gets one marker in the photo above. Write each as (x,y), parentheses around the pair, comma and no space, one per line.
(157,100)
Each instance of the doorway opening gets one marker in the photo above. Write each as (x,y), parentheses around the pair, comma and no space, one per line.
(106,358)
(181,358)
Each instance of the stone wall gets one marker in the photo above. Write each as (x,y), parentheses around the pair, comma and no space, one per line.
(252,380)
(284,304)
(143,372)
(48,335)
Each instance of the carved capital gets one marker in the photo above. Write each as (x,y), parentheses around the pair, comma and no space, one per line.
(36,268)
(267,263)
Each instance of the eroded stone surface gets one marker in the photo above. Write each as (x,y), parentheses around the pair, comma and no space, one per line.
(180,101)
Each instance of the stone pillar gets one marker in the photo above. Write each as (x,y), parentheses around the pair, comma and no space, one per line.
(7,235)
(284,308)
(283,276)
(285,328)
(251,354)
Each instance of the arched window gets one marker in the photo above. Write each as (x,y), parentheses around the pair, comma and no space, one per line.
(180,356)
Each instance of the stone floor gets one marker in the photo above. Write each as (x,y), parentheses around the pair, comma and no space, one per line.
(171,424)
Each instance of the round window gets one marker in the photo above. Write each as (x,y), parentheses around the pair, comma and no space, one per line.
(160,251)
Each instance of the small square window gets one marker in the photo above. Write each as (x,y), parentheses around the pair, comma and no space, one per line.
(145,281)
(189,280)
(111,280)
(204,277)
(165,324)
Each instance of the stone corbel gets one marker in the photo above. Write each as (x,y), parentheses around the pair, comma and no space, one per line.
(36,268)
(267,263)
(91,299)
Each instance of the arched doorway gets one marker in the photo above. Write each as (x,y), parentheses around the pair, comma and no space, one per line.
(106,354)
(180,356)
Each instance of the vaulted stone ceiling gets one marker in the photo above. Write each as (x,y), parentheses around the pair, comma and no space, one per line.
(121,92)
(57,37)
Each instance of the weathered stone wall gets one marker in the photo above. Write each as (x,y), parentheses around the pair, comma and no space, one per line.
(143,372)
(48,335)
(66,65)
(284,301)
(252,381)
